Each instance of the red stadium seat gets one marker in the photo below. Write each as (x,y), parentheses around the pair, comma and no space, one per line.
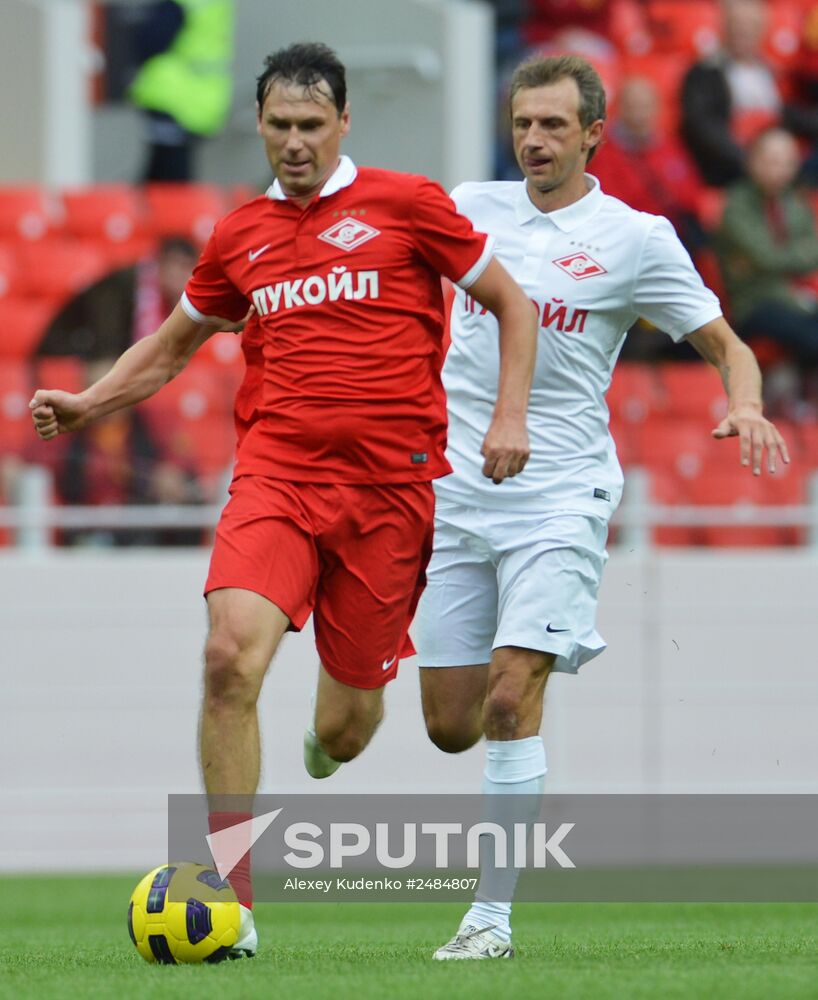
(192,420)
(27,213)
(784,29)
(738,488)
(683,448)
(15,416)
(635,393)
(692,391)
(189,210)
(629,27)
(9,269)
(690,27)
(22,324)
(110,212)
(54,270)
(223,355)
(672,490)
(66,373)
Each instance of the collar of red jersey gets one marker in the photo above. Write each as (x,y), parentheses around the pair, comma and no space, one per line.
(567,218)
(345,173)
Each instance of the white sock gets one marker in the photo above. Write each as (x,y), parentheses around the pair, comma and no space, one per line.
(513,767)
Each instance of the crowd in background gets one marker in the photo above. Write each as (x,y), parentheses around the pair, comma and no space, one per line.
(713,123)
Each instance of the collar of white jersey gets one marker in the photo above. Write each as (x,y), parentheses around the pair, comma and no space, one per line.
(345,173)
(567,218)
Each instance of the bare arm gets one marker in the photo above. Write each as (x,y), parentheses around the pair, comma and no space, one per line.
(506,448)
(740,375)
(140,372)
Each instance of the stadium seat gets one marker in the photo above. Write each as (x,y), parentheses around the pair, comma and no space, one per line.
(635,393)
(109,212)
(689,27)
(15,416)
(683,448)
(192,421)
(222,354)
(27,213)
(784,29)
(736,487)
(692,391)
(629,28)
(189,210)
(54,270)
(668,488)
(9,269)
(22,323)
(66,373)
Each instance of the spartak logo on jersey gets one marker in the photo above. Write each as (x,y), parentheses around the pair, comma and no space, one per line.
(348,234)
(579,266)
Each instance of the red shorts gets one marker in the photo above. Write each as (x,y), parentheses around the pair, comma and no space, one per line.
(355,555)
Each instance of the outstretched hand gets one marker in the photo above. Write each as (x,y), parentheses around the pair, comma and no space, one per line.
(756,434)
(56,412)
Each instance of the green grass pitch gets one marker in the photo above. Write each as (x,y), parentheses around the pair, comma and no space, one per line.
(66,937)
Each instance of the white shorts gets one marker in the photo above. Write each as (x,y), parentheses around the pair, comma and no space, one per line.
(502,578)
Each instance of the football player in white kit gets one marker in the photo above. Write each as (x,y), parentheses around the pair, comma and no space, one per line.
(512,585)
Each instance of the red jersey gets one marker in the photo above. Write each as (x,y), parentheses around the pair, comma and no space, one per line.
(348,295)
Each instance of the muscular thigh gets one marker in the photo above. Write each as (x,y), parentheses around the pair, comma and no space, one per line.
(457,614)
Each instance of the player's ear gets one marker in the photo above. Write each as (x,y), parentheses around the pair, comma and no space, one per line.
(593,135)
(258,118)
(345,120)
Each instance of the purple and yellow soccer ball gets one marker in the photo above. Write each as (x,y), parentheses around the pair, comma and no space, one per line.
(182,913)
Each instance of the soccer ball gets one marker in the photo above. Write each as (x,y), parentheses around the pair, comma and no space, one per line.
(183,913)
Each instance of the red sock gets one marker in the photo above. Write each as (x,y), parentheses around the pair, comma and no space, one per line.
(239,877)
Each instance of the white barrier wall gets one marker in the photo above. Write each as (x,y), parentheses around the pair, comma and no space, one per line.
(709,684)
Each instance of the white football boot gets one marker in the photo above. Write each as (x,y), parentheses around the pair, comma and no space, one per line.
(317,761)
(474,942)
(247,941)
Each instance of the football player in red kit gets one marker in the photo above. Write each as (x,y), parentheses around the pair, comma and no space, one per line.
(331,504)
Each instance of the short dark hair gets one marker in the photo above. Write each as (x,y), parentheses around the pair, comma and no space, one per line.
(306,64)
(541,71)
(177,244)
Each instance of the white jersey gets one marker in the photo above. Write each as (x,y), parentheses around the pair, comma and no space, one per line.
(591,269)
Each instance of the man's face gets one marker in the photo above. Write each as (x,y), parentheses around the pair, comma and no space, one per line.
(175,269)
(302,132)
(774,162)
(550,144)
(638,107)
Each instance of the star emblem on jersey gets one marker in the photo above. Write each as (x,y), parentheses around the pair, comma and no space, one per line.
(579,266)
(348,234)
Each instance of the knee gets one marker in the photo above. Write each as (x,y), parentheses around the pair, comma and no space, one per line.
(501,714)
(342,744)
(230,674)
(452,735)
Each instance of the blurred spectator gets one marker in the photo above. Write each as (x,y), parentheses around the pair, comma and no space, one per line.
(768,247)
(124,306)
(184,83)
(731,95)
(649,171)
(117,461)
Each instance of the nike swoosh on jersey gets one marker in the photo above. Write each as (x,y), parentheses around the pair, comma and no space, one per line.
(553,630)
(252,254)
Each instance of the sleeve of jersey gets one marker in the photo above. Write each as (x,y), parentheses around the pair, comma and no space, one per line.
(209,292)
(446,239)
(669,291)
